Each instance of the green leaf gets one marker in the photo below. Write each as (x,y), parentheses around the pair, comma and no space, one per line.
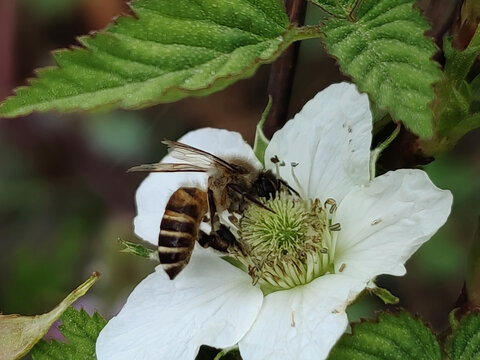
(453,104)
(458,63)
(81,332)
(18,334)
(138,249)
(383,48)
(464,343)
(456,107)
(169,50)
(261,142)
(391,337)
(335,7)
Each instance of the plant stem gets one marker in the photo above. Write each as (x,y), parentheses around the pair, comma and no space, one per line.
(282,72)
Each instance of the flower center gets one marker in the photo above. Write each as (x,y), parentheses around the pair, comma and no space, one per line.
(288,246)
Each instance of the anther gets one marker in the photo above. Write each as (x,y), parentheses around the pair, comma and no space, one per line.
(332,203)
(335,227)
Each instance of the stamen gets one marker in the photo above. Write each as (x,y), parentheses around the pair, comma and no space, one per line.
(335,227)
(293,165)
(332,203)
(290,247)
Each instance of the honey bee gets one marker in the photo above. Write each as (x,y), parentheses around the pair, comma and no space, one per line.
(231,186)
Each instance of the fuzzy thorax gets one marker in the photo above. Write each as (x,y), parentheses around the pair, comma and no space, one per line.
(290,246)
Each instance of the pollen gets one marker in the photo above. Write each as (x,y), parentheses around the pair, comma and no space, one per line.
(290,245)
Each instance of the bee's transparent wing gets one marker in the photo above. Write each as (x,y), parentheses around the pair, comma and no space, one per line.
(168,167)
(196,156)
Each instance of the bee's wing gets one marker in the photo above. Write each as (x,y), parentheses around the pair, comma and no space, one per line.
(168,167)
(197,157)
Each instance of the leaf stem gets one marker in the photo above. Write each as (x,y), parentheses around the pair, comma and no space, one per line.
(283,70)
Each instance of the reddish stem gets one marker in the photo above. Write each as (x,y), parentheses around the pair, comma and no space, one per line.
(283,71)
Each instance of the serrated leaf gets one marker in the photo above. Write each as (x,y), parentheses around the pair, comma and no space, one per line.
(464,343)
(456,105)
(81,333)
(168,51)
(384,50)
(18,334)
(391,337)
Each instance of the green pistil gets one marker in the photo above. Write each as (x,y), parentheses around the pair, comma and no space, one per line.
(288,246)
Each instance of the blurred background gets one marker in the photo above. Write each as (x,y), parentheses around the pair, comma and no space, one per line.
(65,196)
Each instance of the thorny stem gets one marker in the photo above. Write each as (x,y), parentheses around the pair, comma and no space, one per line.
(282,72)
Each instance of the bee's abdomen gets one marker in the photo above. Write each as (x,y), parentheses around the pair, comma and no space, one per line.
(179,228)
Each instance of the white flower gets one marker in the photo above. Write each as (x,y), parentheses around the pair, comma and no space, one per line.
(383,222)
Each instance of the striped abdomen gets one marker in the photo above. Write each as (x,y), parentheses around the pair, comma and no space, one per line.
(179,228)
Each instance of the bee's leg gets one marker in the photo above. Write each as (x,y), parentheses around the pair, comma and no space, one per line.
(214,220)
(241,191)
(220,237)
(221,240)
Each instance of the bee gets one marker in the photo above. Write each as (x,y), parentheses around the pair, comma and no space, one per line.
(233,183)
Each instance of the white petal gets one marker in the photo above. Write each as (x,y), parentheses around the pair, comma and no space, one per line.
(330,140)
(210,302)
(155,191)
(301,323)
(384,223)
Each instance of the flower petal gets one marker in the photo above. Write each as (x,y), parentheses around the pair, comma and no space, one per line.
(301,323)
(210,302)
(155,191)
(330,140)
(384,223)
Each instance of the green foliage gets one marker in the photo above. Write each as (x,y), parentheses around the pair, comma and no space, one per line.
(168,51)
(18,334)
(456,106)
(391,337)
(464,343)
(382,47)
(80,331)
(335,7)
(473,270)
